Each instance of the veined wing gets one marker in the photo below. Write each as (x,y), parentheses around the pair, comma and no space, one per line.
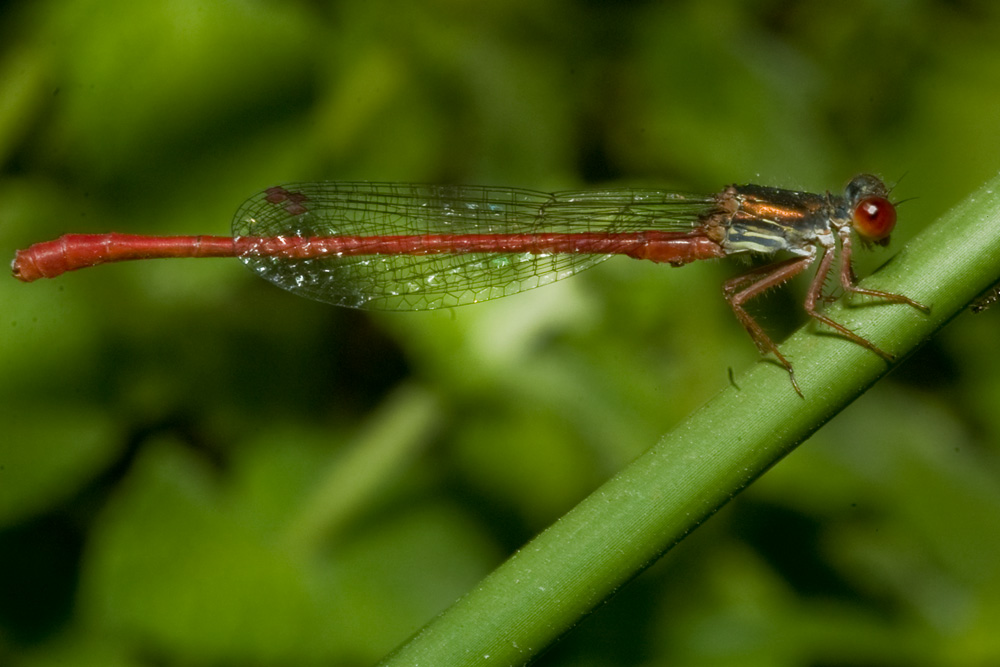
(442,279)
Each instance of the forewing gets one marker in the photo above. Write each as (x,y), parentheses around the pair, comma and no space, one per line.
(426,281)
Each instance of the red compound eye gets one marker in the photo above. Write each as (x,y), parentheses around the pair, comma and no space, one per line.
(874,218)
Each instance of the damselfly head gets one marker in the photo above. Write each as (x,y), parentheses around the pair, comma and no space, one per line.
(873,216)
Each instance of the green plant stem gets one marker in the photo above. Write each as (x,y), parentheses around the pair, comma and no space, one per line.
(551,583)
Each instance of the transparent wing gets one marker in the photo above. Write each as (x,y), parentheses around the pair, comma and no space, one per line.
(437,280)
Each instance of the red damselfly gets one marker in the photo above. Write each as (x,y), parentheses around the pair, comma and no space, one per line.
(402,246)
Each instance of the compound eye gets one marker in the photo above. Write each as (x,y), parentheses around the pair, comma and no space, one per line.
(874,219)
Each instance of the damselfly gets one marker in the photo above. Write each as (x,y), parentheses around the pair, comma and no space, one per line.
(400,246)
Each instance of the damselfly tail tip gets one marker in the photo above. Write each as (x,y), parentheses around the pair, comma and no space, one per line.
(18,268)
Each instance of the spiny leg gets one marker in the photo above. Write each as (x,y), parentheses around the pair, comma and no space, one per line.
(850,283)
(753,283)
(815,294)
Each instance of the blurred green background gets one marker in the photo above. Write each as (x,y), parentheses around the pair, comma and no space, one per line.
(199,469)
